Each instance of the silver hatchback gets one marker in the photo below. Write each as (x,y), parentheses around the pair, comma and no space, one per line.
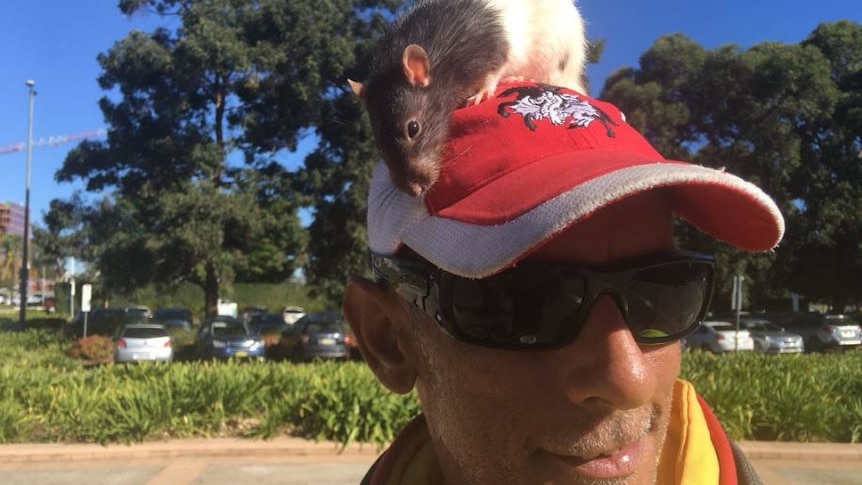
(771,338)
(824,332)
(143,342)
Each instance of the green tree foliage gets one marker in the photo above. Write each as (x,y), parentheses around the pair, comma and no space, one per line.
(827,260)
(781,116)
(11,249)
(201,119)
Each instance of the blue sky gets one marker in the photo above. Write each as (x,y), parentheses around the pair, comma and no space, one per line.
(55,43)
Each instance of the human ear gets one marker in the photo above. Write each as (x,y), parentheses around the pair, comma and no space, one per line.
(378,317)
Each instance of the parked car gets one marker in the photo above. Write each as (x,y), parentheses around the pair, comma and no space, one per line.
(138,312)
(224,337)
(268,323)
(771,338)
(139,342)
(174,317)
(718,336)
(49,304)
(250,311)
(100,321)
(825,332)
(292,313)
(323,335)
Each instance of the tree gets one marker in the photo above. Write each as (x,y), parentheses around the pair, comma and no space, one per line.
(763,114)
(11,248)
(334,179)
(827,261)
(178,211)
(194,166)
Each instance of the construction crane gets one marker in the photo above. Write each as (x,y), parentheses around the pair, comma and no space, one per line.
(53,141)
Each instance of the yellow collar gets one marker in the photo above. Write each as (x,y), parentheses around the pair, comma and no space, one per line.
(688,456)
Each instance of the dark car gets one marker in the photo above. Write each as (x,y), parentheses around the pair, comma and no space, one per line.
(99,321)
(268,323)
(224,337)
(250,312)
(174,317)
(824,332)
(323,335)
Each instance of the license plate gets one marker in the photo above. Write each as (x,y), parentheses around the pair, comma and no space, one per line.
(241,354)
(326,341)
(142,356)
(848,334)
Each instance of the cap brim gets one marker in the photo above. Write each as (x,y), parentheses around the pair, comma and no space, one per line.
(460,241)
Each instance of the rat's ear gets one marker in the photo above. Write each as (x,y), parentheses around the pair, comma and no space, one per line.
(358,89)
(380,324)
(417,68)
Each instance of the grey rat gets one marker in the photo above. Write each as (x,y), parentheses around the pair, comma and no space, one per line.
(444,54)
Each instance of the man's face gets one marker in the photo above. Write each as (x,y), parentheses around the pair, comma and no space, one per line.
(593,412)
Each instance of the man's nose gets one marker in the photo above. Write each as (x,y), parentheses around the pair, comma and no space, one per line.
(605,362)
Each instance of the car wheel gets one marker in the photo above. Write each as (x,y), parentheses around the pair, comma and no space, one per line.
(705,348)
(813,345)
(758,347)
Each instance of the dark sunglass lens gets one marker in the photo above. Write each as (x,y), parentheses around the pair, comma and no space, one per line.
(526,307)
(664,301)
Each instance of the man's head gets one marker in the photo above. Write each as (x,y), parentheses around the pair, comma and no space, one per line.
(564,215)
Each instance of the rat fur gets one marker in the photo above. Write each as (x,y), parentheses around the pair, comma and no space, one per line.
(445,54)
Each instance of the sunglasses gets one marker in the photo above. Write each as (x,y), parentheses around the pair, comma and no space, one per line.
(536,306)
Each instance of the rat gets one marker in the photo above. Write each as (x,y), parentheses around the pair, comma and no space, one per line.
(446,54)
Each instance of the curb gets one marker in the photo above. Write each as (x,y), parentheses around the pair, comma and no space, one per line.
(301,448)
(777,450)
(191,448)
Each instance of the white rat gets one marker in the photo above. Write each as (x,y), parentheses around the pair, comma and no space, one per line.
(444,54)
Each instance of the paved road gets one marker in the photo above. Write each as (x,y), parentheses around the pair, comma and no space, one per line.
(295,462)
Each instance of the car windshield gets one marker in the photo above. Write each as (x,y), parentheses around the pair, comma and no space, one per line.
(325,327)
(144,332)
(171,315)
(840,321)
(762,326)
(268,319)
(225,329)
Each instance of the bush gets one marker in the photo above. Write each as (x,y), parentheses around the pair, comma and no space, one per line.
(45,396)
(810,397)
(95,349)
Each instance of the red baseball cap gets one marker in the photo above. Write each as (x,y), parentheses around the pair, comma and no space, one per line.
(526,164)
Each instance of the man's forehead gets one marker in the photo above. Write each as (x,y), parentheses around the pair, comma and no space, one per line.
(639,225)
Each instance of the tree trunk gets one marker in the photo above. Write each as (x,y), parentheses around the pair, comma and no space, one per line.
(211,290)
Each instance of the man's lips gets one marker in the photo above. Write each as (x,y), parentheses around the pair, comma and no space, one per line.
(602,464)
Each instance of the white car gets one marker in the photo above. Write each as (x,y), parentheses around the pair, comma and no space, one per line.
(144,342)
(292,313)
(718,337)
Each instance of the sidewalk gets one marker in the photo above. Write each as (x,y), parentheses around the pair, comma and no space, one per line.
(294,461)
(283,446)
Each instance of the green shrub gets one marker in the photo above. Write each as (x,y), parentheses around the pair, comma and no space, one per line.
(811,397)
(46,396)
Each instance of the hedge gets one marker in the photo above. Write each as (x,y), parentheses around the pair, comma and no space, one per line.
(47,396)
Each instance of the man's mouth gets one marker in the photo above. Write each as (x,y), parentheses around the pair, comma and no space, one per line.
(609,462)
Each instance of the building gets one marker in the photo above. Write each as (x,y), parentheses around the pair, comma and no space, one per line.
(11,219)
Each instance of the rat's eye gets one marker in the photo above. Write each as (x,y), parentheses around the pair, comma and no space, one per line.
(412,129)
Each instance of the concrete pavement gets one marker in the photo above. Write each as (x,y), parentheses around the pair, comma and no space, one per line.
(293,461)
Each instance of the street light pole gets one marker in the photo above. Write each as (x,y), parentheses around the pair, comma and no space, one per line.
(25,264)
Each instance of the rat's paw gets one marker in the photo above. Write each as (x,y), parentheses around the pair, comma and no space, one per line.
(485,94)
(516,79)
